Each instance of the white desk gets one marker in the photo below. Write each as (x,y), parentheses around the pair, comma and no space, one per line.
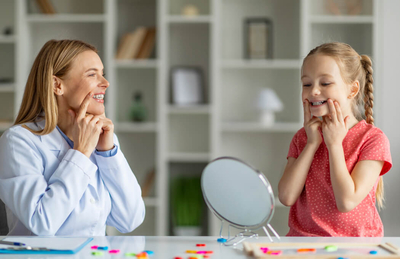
(171,247)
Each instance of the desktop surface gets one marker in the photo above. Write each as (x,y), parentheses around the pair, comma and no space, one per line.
(170,247)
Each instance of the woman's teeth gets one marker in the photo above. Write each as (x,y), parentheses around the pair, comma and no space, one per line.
(98,96)
(318,103)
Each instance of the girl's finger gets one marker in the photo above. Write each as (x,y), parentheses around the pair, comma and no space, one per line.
(339,112)
(332,110)
(307,111)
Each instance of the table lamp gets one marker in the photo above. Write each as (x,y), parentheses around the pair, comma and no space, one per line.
(268,104)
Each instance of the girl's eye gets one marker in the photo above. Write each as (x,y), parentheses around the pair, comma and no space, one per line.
(325,84)
(306,85)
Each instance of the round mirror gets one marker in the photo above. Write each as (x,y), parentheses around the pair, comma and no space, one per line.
(237,193)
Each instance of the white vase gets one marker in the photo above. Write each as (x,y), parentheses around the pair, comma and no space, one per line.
(187,231)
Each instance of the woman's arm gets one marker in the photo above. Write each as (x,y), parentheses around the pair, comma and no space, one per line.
(41,204)
(127,208)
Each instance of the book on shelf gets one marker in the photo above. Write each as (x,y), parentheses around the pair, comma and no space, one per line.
(148,183)
(46,6)
(147,45)
(137,44)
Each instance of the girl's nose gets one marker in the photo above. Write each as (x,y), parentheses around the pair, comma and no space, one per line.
(315,90)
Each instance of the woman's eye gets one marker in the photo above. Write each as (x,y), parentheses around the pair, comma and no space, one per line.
(92,74)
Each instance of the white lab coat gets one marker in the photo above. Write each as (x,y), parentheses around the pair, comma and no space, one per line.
(50,189)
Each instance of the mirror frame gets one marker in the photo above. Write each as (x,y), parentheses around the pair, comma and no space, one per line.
(264,180)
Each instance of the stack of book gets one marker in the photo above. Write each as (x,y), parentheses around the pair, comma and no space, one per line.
(46,6)
(138,44)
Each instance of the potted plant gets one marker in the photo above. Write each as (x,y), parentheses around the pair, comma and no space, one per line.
(187,206)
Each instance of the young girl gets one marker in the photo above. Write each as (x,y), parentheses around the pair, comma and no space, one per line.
(335,162)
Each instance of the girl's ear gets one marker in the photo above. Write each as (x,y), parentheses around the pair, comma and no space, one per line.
(57,86)
(354,89)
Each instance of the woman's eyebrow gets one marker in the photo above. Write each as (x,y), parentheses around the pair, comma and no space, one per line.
(93,69)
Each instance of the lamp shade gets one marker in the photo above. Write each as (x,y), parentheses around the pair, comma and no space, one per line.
(269,100)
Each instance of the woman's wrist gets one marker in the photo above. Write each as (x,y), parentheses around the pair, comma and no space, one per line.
(103,150)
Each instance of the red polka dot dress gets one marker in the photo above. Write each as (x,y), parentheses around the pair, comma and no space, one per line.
(315,212)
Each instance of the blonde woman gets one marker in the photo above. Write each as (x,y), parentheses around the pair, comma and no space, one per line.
(62,172)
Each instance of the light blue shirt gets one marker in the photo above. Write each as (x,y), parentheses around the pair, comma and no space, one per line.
(51,189)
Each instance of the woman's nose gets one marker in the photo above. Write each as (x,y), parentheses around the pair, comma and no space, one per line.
(105,83)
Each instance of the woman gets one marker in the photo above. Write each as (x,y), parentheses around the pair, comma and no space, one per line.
(62,172)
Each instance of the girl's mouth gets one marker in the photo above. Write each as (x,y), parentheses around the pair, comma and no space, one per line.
(318,103)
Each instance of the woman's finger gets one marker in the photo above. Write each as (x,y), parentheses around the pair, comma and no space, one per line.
(83,108)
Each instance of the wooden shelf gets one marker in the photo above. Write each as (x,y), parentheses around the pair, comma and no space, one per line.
(136,63)
(242,127)
(151,201)
(189,157)
(7,88)
(136,127)
(340,19)
(262,64)
(189,19)
(8,39)
(69,18)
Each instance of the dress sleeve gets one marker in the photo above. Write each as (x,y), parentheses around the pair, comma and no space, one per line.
(294,147)
(127,206)
(377,147)
(41,204)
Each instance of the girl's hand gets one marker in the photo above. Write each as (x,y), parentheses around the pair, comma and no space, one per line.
(334,126)
(106,139)
(311,125)
(86,129)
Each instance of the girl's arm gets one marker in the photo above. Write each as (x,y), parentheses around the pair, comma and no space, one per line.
(294,177)
(349,189)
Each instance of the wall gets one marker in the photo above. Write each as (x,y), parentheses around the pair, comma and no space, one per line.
(389,108)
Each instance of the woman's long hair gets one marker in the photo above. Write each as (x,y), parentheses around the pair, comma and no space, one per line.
(54,59)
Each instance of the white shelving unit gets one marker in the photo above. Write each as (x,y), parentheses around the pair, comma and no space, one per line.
(179,140)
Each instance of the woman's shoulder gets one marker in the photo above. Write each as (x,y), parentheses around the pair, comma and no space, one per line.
(20,131)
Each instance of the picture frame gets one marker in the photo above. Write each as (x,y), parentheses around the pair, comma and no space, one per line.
(258,38)
(187,87)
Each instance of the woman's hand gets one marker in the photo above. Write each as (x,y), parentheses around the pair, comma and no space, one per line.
(106,139)
(86,129)
(311,125)
(334,126)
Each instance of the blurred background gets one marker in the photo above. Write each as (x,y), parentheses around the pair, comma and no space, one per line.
(192,80)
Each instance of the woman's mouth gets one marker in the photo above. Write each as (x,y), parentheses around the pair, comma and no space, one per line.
(99,97)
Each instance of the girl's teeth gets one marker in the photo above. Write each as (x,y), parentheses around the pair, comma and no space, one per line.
(318,103)
(98,96)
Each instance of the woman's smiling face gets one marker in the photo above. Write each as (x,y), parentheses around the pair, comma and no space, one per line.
(322,80)
(85,76)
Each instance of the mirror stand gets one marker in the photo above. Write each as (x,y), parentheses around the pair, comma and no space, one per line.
(232,241)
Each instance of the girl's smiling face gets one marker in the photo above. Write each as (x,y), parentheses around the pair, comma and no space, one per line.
(322,80)
(86,76)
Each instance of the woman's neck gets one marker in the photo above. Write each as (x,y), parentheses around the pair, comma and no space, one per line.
(65,122)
